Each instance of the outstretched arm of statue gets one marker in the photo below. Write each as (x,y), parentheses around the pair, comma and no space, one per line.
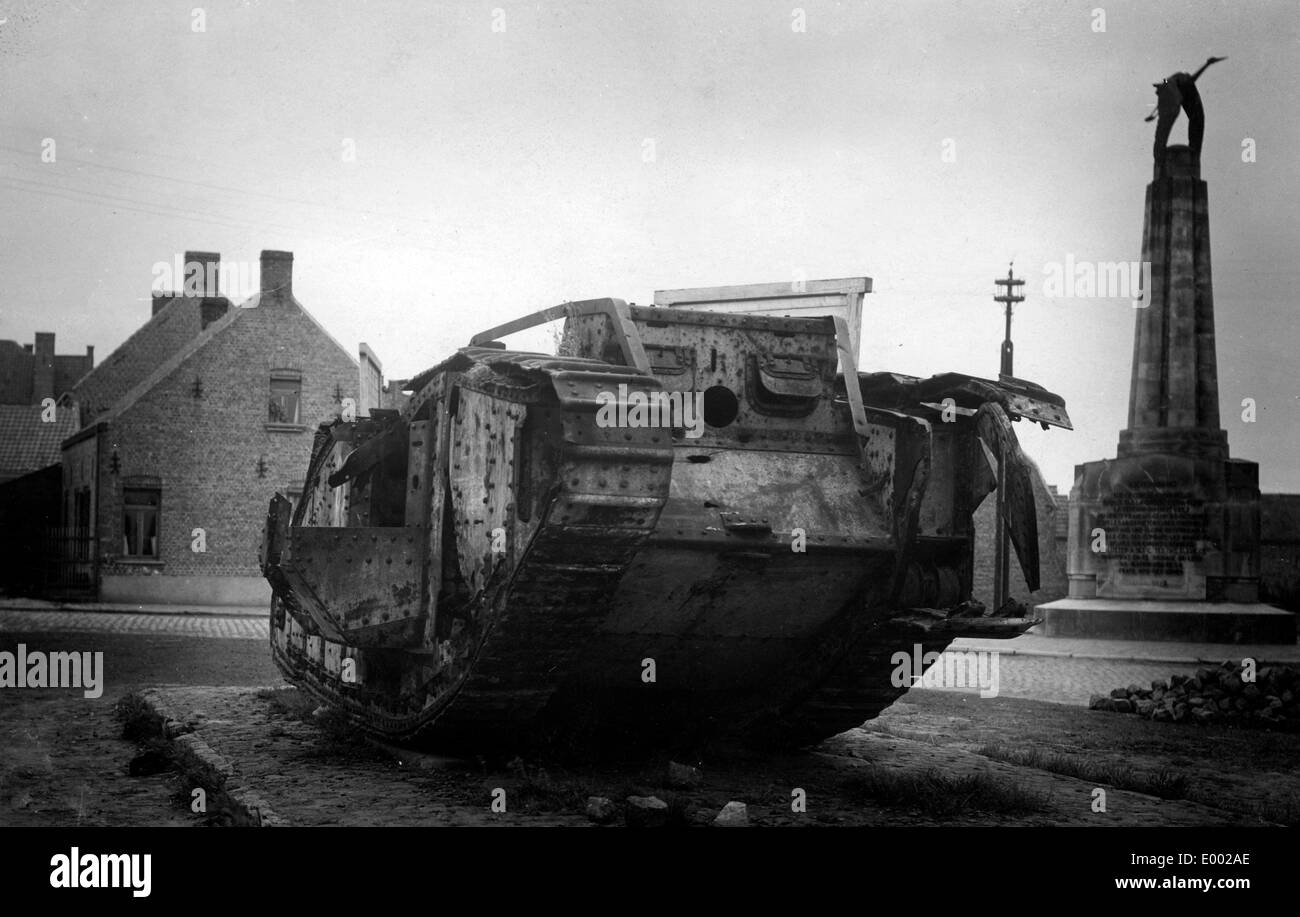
(1212,60)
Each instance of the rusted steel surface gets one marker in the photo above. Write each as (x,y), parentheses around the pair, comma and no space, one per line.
(502,565)
(1022,521)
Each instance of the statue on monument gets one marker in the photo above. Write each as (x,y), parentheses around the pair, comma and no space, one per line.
(1174,92)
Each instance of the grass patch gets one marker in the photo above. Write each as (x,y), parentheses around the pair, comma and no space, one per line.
(536,789)
(1282,811)
(290,702)
(902,732)
(337,735)
(337,727)
(139,722)
(937,794)
(1164,783)
(218,811)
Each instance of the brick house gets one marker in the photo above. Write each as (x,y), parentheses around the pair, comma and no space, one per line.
(188,430)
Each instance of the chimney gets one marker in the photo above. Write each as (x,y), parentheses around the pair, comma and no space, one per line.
(277,276)
(161,299)
(211,309)
(201,273)
(43,366)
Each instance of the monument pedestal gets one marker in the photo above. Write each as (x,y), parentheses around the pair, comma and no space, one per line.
(1184,622)
(1164,538)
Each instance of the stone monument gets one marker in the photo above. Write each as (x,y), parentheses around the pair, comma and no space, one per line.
(1164,538)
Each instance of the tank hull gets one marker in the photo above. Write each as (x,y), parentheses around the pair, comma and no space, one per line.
(499,566)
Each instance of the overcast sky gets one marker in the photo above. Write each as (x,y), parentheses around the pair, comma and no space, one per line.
(511,156)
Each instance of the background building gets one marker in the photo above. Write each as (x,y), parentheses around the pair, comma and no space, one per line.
(30,373)
(32,429)
(189,428)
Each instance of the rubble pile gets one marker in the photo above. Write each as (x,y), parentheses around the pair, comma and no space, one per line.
(1230,693)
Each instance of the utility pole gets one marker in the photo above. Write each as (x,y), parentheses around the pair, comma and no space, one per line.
(1009,295)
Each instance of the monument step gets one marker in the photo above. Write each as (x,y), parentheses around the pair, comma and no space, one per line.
(1187,622)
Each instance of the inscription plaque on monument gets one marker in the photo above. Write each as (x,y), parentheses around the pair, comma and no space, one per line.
(1153,534)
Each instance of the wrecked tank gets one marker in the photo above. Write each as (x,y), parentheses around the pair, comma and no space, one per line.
(686,528)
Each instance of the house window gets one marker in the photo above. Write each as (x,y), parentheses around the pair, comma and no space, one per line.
(286,398)
(140,522)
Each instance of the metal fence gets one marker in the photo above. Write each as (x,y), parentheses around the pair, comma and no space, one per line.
(69,561)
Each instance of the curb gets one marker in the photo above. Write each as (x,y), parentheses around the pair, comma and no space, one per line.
(201,763)
(1163,660)
(206,611)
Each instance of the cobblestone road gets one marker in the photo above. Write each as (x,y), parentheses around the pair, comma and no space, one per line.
(238,628)
(1072,681)
(1054,678)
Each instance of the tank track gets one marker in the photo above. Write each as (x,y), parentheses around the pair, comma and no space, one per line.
(535,622)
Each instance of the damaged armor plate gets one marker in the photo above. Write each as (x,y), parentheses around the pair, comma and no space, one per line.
(498,565)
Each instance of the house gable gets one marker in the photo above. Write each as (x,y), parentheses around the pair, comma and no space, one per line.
(176,321)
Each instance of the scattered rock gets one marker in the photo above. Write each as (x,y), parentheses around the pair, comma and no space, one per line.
(601,809)
(646,812)
(1217,693)
(682,776)
(733,815)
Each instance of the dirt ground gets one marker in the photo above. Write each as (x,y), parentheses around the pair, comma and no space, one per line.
(932,759)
